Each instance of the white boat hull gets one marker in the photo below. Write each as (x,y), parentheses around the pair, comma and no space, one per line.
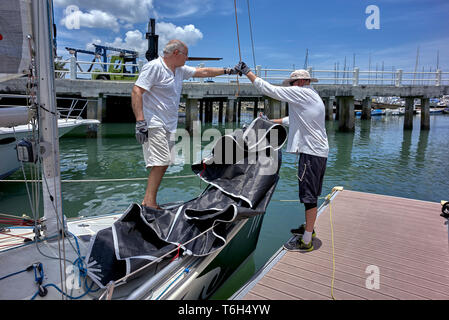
(9,136)
(199,283)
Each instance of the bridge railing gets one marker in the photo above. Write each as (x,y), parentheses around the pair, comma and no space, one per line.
(355,77)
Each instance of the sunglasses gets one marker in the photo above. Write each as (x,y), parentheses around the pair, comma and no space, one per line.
(183,53)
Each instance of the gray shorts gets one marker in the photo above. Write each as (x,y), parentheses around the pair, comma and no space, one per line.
(310,177)
(158,150)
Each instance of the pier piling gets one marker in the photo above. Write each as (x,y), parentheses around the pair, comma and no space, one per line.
(366,109)
(346,111)
(408,116)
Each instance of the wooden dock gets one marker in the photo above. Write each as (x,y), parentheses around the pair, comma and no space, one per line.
(385,248)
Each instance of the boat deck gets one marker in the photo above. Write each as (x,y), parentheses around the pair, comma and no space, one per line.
(385,248)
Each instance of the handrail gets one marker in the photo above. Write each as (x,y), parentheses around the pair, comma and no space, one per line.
(353,77)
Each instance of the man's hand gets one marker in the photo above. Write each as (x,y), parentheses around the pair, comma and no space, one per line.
(263,116)
(241,67)
(141,131)
(231,71)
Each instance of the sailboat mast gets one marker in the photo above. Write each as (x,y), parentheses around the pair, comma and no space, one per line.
(48,118)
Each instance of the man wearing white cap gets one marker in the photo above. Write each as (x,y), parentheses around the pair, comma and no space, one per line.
(307,136)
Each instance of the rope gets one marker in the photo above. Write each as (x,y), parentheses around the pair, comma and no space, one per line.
(186,270)
(251,34)
(18,272)
(238,40)
(104,180)
(333,252)
(327,198)
(63,293)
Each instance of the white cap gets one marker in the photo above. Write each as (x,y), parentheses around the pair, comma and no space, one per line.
(298,74)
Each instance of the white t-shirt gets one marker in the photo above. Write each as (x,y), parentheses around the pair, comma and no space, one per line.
(162,93)
(307,131)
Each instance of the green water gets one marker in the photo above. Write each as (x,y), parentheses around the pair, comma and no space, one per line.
(379,157)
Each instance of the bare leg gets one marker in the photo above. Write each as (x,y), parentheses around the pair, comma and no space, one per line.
(310,219)
(154,181)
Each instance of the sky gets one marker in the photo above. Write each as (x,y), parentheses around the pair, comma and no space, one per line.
(282,31)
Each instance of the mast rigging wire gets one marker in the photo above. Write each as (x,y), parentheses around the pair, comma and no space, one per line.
(238,41)
(251,34)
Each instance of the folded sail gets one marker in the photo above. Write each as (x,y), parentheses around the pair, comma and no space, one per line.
(238,189)
(15,26)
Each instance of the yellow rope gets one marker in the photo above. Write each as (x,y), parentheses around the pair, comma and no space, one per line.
(333,252)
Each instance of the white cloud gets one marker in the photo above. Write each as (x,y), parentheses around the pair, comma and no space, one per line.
(167,31)
(92,19)
(135,40)
(182,8)
(130,11)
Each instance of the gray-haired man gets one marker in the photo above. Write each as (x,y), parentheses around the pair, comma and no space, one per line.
(155,100)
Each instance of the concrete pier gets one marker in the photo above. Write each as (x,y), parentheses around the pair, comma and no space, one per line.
(283,110)
(220,111)
(201,110)
(201,91)
(346,112)
(366,109)
(408,116)
(425,114)
(230,110)
(272,108)
(329,107)
(191,113)
(95,109)
(256,107)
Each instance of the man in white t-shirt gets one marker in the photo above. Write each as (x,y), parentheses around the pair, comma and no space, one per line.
(155,101)
(307,137)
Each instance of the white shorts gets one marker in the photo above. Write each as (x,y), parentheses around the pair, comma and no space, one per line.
(157,151)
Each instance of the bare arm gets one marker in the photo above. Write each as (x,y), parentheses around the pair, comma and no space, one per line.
(278,121)
(136,102)
(208,72)
(251,76)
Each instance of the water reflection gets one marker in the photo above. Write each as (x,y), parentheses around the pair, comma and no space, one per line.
(344,150)
(421,149)
(405,147)
(365,129)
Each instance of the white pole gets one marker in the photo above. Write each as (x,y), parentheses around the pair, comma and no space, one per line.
(356,77)
(73,67)
(258,70)
(48,123)
(398,77)
(438,79)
